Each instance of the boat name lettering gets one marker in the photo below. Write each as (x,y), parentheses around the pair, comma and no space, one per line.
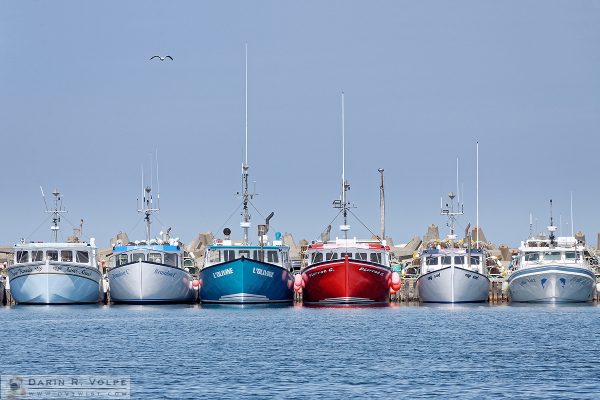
(164,273)
(223,272)
(323,271)
(430,277)
(263,272)
(374,271)
(121,273)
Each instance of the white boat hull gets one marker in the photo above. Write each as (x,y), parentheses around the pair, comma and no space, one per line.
(453,285)
(146,282)
(552,284)
(55,283)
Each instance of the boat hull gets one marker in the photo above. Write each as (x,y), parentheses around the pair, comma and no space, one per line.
(146,282)
(346,282)
(453,285)
(55,284)
(552,284)
(246,281)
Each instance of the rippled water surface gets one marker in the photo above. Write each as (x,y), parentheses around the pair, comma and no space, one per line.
(443,351)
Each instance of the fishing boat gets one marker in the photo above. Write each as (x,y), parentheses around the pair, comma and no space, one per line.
(346,271)
(451,270)
(152,270)
(240,272)
(551,269)
(55,272)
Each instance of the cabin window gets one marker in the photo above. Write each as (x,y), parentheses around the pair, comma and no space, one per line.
(83,257)
(376,258)
(571,255)
(316,257)
(52,255)
(37,255)
(475,260)
(22,256)
(258,255)
(244,253)
(459,260)
(361,256)
(214,256)
(171,259)
(272,256)
(552,255)
(532,256)
(137,257)
(431,261)
(446,260)
(331,256)
(155,257)
(122,259)
(66,255)
(343,255)
(228,255)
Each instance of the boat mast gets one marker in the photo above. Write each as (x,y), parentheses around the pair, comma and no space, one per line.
(245,224)
(56,211)
(381,206)
(477,201)
(343,203)
(147,210)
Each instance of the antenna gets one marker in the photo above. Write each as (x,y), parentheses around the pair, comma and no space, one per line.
(382,206)
(572,235)
(157,181)
(44,197)
(530,225)
(477,201)
(245,224)
(246,103)
(457,190)
(551,228)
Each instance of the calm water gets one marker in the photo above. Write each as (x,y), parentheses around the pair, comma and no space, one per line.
(181,352)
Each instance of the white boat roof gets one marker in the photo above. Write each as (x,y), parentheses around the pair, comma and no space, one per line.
(51,245)
(349,243)
(545,244)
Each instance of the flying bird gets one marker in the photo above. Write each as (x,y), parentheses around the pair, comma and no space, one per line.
(162,58)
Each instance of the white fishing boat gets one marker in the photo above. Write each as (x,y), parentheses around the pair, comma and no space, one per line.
(55,272)
(451,270)
(552,270)
(152,270)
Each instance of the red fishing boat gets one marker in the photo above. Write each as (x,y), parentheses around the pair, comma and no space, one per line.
(347,271)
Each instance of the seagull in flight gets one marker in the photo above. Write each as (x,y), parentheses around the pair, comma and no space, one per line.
(162,58)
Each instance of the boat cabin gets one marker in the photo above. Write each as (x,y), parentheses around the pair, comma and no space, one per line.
(371,251)
(164,254)
(76,253)
(564,250)
(225,250)
(435,259)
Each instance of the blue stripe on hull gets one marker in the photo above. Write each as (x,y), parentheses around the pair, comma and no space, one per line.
(54,289)
(244,281)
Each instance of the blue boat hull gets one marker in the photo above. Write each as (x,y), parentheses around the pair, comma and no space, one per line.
(246,281)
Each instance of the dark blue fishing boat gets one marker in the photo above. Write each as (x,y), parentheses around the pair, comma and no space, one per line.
(242,272)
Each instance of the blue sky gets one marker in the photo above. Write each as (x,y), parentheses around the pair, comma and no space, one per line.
(82,108)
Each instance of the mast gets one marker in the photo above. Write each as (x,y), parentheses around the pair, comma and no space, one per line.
(477,201)
(245,224)
(56,211)
(451,214)
(381,206)
(343,203)
(147,209)
(551,228)
(572,228)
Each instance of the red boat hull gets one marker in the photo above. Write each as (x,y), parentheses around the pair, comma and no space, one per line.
(346,282)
